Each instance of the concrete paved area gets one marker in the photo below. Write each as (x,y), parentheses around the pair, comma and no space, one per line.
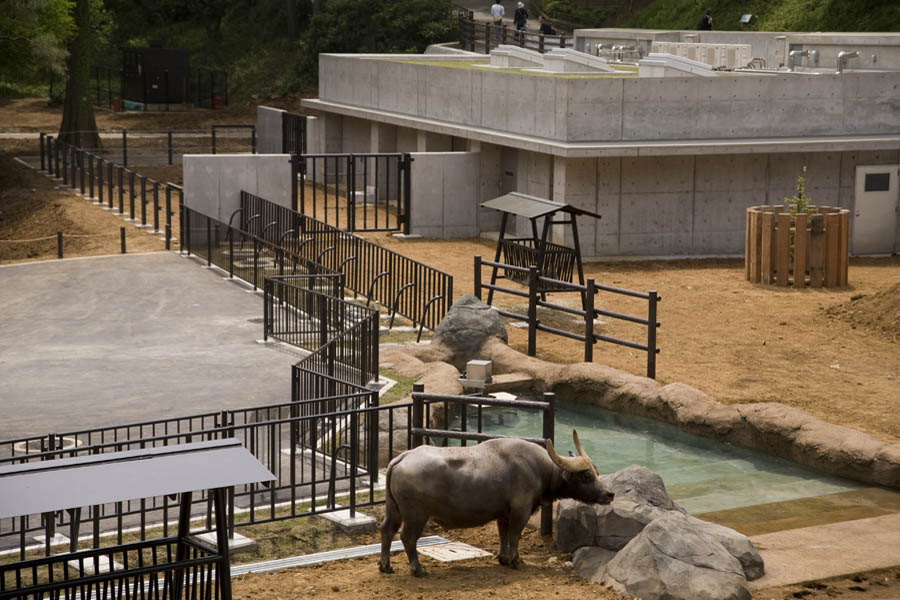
(112,340)
(809,553)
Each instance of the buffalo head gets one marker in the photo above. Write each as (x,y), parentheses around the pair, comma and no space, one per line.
(580,477)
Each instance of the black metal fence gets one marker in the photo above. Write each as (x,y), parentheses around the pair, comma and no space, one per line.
(163,568)
(406,287)
(206,88)
(146,148)
(483,36)
(109,183)
(356,192)
(293,133)
(538,285)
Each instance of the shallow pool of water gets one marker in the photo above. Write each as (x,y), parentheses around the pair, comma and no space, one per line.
(700,474)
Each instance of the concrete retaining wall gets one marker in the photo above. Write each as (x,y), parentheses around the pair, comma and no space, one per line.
(213,182)
(445,194)
(619,109)
(268,130)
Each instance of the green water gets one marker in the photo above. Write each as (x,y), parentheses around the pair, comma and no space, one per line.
(700,474)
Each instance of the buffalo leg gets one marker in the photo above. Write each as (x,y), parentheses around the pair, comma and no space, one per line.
(389,527)
(410,534)
(503,530)
(517,521)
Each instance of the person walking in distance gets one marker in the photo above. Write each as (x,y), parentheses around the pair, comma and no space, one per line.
(706,21)
(546,29)
(520,18)
(497,13)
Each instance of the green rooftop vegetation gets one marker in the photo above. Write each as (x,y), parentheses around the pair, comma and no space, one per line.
(484,64)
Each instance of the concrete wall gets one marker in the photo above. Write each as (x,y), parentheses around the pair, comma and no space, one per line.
(445,198)
(618,109)
(695,205)
(213,182)
(268,130)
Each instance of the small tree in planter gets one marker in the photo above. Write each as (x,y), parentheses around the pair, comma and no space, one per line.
(780,250)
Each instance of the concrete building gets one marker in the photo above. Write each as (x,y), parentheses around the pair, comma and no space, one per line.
(671,162)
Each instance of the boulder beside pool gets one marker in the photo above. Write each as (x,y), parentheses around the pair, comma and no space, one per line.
(645,545)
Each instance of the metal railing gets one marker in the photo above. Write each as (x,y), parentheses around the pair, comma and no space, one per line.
(356,192)
(406,287)
(131,148)
(106,182)
(164,568)
(293,133)
(483,36)
(537,285)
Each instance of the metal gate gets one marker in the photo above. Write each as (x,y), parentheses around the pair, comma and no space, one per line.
(293,133)
(354,192)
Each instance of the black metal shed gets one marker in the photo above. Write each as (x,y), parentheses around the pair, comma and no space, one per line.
(171,567)
(553,261)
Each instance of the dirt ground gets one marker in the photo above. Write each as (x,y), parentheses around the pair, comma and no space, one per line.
(833,353)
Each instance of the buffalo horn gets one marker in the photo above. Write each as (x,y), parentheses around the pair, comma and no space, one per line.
(581,451)
(572,465)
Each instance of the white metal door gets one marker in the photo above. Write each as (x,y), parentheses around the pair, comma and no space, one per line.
(876,206)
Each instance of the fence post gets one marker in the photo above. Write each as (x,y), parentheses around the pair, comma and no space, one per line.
(651,335)
(549,433)
(42,150)
(90,160)
(122,238)
(209,248)
(56,156)
(59,244)
(478,276)
(143,200)
(293,182)
(351,192)
(213,130)
(418,413)
(185,222)
(253,140)
(588,306)
(532,310)
(268,284)
(74,150)
(124,148)
(170,144)
(99,180)
(407,192)
(81,185)
(131,195)
(155,207)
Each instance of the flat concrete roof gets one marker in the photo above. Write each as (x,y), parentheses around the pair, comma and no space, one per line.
(613,149)
(103,341)
(90,480)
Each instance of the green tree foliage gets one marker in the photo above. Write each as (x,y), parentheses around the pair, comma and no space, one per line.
(781,15)
(33,36)
(393,26)
(575,13)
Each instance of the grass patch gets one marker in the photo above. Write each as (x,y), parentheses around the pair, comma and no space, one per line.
(399,391)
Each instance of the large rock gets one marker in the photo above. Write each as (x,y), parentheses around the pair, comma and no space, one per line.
(671,559)
(466,327)
(642,486)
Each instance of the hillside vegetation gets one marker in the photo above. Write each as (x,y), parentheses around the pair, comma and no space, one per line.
(768,15)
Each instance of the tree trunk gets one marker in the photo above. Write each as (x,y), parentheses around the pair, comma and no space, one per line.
(78,124)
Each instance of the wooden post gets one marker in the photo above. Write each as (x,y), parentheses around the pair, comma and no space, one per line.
(768,239)
(532,310)
(801,250)
(844,250)
(755,239)
(832,242)
(817,251)
(588,307)
(782,247)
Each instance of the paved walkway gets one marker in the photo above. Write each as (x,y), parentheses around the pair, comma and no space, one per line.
(111,340)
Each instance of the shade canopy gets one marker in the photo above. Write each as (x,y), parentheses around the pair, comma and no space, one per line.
(52,485)
(532,207)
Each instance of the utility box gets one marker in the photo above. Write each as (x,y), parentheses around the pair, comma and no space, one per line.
(479,370)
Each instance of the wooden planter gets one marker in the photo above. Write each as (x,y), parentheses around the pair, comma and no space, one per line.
(810,248)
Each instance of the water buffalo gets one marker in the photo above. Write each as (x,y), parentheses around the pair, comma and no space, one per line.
(503,479)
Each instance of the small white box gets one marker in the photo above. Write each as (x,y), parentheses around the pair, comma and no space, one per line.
(478,370)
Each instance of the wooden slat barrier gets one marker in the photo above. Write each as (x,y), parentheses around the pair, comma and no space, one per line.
(810,248)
